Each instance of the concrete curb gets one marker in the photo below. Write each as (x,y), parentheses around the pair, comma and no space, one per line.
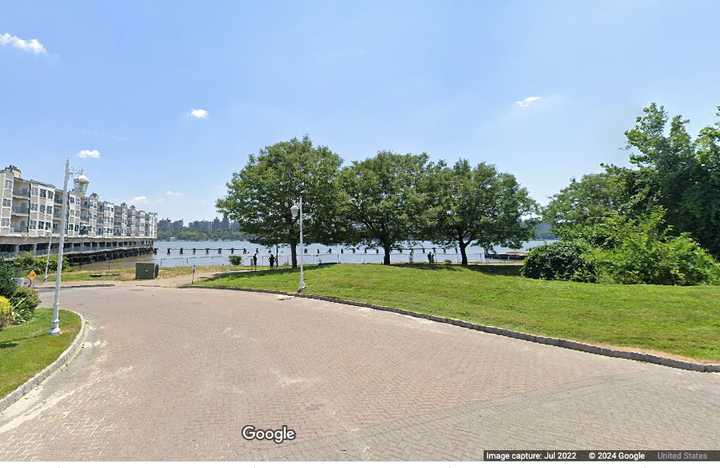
(559,342)
(38,378)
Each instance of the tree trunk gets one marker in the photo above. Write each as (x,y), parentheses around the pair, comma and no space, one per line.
(386,257)
(463,253)
(293,254)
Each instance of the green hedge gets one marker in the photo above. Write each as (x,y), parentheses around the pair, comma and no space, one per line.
(561,261)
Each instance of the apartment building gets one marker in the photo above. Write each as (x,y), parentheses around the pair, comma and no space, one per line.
(121,221)
(30,210)
(106,219)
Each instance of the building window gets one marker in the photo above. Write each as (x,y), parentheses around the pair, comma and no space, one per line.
(7,202)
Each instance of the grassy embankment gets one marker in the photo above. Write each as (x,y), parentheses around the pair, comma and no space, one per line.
(128,274)
(681,321)
(27,349)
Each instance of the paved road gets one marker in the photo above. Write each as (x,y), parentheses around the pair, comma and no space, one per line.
(175,374)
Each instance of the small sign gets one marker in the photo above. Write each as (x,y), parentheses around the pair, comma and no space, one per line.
(32,275)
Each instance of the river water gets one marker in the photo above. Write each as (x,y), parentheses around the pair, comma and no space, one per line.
(206,253)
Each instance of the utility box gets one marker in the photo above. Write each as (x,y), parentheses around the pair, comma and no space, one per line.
(146,271)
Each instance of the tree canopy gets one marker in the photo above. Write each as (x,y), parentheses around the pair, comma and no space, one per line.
(478,206)
(261,195)
(383,201)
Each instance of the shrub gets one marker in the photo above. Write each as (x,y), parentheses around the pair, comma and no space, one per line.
(235,260)
(676,260)
(24,302)
(644,250)
(5,312)
(560,260)
(40,262)
(26,262)
(7,279)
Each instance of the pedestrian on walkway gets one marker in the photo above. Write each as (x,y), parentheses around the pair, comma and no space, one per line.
(272,261)
(254,261)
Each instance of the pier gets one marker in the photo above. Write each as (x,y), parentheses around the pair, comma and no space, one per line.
(77,250)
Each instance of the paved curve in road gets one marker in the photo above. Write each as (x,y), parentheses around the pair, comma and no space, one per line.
(176,374)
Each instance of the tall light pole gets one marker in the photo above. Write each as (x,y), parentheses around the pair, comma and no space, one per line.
(296,210)
(55,329)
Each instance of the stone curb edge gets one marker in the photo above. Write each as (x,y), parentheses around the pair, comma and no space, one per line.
(559,342)
(38,378)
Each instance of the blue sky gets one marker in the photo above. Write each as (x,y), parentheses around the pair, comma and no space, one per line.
(446,77)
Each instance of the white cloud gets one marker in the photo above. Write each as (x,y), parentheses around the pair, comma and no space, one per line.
(141,200)
(27,45)
(92,154)
(170,193)
(528,101)
(199,114)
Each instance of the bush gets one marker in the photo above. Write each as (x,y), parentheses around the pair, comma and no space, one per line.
(235,260)
(676,260)
(5,312)
(40,261)
(644,250)
(24,302)
(560,260)
(7,279)
(26,262)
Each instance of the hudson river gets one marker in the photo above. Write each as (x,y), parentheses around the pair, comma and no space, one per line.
(206,253)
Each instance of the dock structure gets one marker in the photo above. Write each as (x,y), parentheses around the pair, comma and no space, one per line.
(95,229)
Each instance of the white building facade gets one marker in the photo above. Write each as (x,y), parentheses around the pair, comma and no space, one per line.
(30,211)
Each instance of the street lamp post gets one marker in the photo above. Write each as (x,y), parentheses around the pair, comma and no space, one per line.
(55,329)
(296,210)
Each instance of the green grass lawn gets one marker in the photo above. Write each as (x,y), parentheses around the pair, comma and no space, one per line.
(128,274)
(27,349)
(683,321)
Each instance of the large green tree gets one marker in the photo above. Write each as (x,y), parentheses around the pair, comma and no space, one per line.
(682,173)
(261,195)
(477,206)
(383,200)
(587,201)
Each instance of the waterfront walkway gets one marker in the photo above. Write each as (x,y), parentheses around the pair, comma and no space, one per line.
(176,373)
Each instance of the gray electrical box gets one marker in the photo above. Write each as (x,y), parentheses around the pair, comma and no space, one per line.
(146,271)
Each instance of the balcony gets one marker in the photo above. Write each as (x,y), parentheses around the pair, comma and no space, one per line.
(19,228)
(20,209)
(21,192)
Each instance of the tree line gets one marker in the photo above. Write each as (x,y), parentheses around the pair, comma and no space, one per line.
(382,201)
(656,219)
(190,234)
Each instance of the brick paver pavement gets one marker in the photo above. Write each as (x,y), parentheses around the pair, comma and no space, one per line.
(175,374)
